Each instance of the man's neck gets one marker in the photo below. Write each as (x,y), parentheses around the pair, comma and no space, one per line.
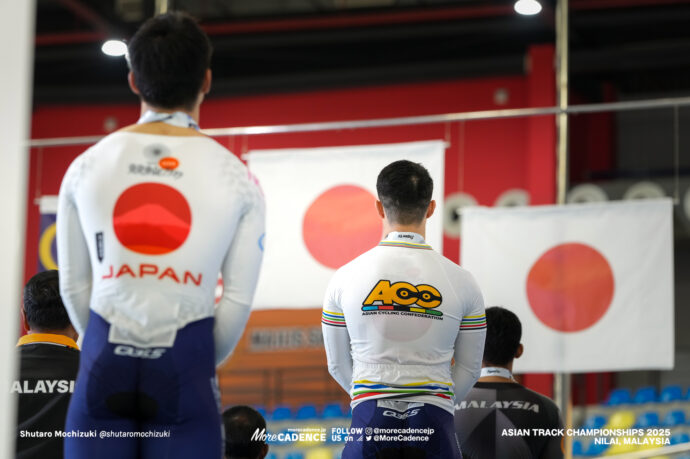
(194,113)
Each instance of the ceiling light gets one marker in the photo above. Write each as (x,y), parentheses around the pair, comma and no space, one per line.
(114,48)
(527,7)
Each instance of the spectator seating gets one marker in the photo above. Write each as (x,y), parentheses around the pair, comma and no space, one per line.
(675,418)
(681,437)
(671,394)
(645,395)
(645,408)
(647,419)
(306,413)
(619,397)
(281,413)
(595,422)
(334,411)
(621,420)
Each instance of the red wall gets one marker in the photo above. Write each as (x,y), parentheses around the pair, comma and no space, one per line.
(484,158)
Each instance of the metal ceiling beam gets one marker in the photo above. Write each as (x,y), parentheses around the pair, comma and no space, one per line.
(610,4)
(359,19)
(404,121)
(87,14)
(342,20)
(69,38)
(307,79)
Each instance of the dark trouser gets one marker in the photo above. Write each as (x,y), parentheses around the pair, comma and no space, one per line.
(122,389)
(401,430)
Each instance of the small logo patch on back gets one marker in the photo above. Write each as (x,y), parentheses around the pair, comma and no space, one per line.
(100,249)
(168,163)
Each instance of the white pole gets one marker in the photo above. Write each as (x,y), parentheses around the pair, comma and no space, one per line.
(648,104)
(16,54)
(562,386)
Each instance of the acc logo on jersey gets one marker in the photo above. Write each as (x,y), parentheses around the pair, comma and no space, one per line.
(404,297)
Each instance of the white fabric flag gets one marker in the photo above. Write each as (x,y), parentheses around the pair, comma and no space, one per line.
(321,213)
(592,284)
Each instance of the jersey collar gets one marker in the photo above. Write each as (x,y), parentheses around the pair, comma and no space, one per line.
(179,119)
(47,338)
(404,239)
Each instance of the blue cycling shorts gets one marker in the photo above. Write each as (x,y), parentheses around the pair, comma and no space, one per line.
(133,402)
(401,430)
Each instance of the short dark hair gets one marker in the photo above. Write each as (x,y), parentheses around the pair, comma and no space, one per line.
(503,334)
(241,422)
(169,56)
(405,190)
(43,306)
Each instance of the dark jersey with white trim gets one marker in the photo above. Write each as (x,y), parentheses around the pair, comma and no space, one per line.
(46,379)
(506,420)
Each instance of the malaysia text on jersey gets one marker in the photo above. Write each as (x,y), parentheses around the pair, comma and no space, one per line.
(48,369)
(497,420)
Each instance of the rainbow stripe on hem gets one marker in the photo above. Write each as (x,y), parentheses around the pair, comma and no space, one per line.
(334,319)
(370,389)
(411,245)
(473,322)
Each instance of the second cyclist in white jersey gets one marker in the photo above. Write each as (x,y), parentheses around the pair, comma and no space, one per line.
(404,329)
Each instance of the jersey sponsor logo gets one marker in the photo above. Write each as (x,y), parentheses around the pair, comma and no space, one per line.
(99,246)
(159,163)
(152,219)
(153,153)
(396,415)
(140,353)
(169,163)
(153,169)
(498,404)
(148,269)
(403,297)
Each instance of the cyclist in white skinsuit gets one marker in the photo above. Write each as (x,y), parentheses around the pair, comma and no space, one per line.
(147,218)
(395,318)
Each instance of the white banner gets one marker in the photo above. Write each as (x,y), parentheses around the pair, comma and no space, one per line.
(592,284)
(321,213)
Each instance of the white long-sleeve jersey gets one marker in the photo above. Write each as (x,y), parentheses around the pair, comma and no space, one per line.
(145,223)
(396,317)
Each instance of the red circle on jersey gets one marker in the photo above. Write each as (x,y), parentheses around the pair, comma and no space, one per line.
(570,287)
(152,219)
(341,224)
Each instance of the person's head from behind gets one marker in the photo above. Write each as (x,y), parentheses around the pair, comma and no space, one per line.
(405,189)
(503,334)
(43,310)
(243,425)
(169,58)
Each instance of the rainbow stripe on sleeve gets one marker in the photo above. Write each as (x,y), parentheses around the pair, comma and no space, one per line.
(473,322)
(334,319)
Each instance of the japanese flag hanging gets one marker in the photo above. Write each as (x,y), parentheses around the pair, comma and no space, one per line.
(321,214)
(592,284)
